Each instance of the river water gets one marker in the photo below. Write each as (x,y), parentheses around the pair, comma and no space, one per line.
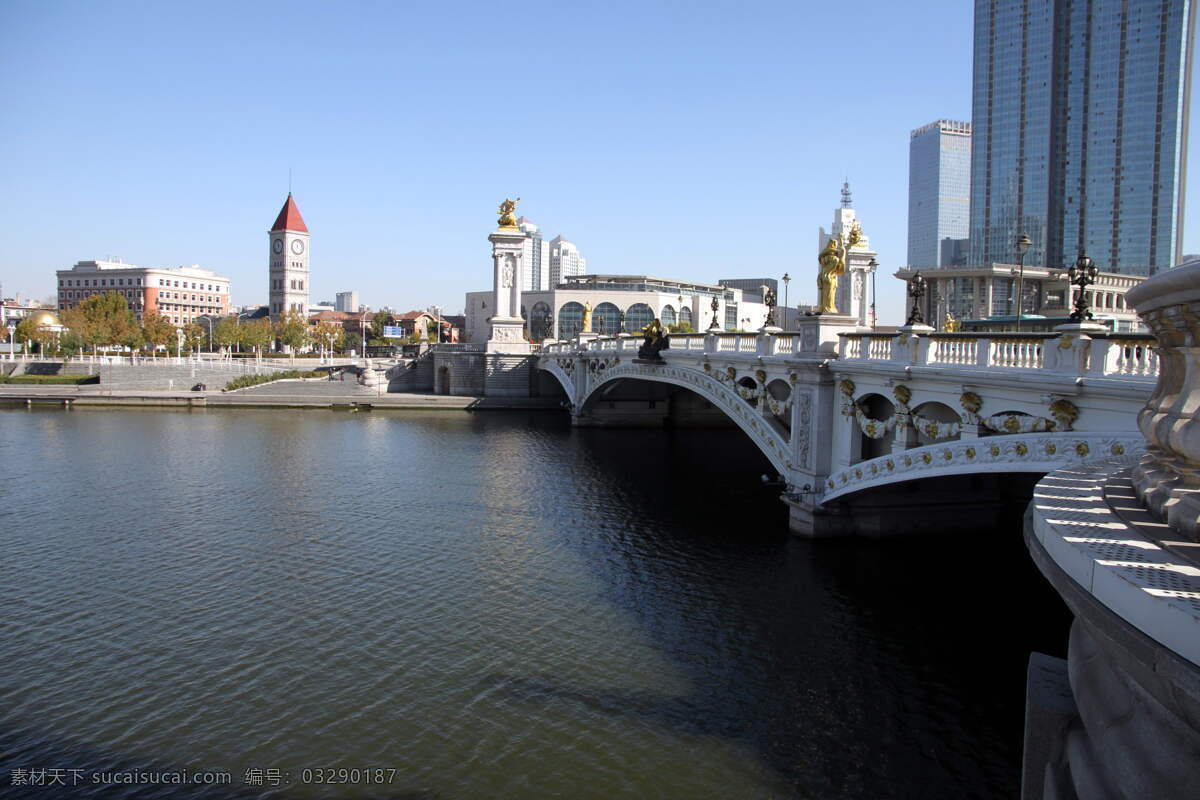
(488,605)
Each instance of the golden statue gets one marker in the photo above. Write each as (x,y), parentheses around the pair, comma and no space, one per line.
(856,239)
(587,318)
(507,221)
(950,324)
(833,263)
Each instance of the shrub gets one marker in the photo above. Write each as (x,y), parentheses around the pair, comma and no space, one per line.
(254,380)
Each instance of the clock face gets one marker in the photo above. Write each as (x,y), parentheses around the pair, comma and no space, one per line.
(297,246)
(277,246)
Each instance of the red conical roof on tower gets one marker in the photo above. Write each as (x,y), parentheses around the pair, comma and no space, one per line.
(289,218)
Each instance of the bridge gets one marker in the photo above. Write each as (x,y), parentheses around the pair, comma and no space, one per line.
(855,423)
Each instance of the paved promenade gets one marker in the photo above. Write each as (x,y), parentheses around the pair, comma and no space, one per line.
(281,394)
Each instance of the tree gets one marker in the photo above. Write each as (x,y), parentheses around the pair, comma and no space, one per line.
(193,335)
(70,343)
(227,332)
(351,341)
(258,334)
(680,327)
(292,330)
(132,338)
(328,335)
(375,326)
(101,319)
(157,330)
(29,331)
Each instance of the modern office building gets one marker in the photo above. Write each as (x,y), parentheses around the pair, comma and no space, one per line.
(347,301)
(536,257)
(288,258)
(565,262)
(939,192)
(1079,128)
(179,294)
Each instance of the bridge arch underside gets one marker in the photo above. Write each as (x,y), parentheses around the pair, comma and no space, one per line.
(634,402)
(968,503)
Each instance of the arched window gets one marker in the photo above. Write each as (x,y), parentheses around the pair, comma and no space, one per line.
(638,316)
(606,319)
(685,315)
(539,322)
(570,320)
(667,316)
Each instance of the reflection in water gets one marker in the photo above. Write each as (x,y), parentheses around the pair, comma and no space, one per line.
(494,605)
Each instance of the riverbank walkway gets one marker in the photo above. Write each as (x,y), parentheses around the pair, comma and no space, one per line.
(277,394)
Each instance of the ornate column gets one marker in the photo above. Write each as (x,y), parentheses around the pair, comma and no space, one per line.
(1168,477)
(508,247)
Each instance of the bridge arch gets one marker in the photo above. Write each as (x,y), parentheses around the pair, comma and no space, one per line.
(1030,453)
(871,428)
(936,422)
(770,437)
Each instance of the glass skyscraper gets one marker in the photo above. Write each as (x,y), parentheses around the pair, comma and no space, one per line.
(1080,131)
(939,192)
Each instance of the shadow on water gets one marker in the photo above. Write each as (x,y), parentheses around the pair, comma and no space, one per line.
(853,668)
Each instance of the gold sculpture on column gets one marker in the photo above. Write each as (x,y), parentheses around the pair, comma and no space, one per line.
(507,221)
(587,318)
(833,264)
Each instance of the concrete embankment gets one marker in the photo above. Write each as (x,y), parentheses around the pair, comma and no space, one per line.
(281,397)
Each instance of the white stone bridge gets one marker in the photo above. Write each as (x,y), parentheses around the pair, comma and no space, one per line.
(848,417)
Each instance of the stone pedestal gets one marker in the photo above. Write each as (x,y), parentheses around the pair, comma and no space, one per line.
(819,333)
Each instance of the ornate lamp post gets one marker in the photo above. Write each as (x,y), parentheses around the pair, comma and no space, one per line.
(916,290)
(1082,274)
(1023,244)
(873,264)
(715,305)
(786,279)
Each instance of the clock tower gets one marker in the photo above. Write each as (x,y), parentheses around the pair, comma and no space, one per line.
(289,262)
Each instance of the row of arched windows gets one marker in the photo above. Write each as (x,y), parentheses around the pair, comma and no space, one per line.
(607,319)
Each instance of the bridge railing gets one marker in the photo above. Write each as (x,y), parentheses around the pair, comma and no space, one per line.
(1097,354)
(1101,354)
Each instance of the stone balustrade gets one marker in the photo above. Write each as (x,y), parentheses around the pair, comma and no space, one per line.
(1098,355)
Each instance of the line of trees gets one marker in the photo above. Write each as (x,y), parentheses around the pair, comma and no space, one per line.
(105,320)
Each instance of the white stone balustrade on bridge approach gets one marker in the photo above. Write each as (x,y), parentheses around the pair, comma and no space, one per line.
(819,401)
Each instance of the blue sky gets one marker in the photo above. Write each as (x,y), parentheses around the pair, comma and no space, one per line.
(693,140)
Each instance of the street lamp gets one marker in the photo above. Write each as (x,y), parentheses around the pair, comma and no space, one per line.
(364,334)
(1023,243)
(714,326)
(786,280)
(873,264)
(1083,274)
(916,290)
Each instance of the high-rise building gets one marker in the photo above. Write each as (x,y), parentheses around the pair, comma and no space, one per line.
(565,261)
(536,257)
(289,261)
(939,192)
(347,301)
(1080,131)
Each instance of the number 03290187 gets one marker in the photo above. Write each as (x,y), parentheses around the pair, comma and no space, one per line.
(368,775)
